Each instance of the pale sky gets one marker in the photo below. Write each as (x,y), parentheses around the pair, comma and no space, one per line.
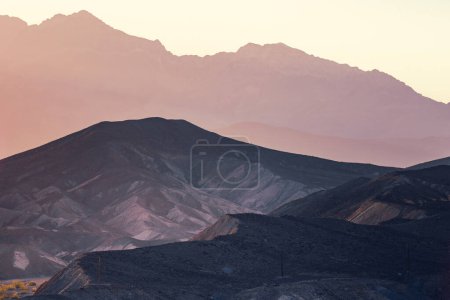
(409,39)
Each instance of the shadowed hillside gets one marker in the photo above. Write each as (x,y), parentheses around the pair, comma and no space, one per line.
(301,258)
(402,195)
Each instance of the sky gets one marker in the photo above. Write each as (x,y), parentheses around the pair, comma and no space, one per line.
(408,39)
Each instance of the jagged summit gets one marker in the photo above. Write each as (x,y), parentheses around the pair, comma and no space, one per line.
(10,27)
(6,20)
(254,46)
(81,17)
(82,31)
(267,50)
(83,14)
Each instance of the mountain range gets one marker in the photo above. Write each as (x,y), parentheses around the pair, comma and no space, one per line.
(71,71)
(122,185)
(160,208)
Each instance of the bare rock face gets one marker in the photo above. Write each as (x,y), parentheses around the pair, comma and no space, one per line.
(394,197)
(264,258)
(122,185)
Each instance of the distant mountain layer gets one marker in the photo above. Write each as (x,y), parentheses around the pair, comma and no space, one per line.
(394,197)
(71,71)
(264,258)
(121,185)
(398,152)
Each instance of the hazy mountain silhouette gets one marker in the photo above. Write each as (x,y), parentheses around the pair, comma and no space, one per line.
(398,152)
(71,71)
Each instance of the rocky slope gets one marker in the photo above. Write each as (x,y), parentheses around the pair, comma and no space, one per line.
(121,185)
(262,257)
(332,289)
(395,197)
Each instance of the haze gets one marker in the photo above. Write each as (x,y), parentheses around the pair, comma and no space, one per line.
(407,39)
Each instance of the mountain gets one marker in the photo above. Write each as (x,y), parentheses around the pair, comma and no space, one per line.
(394,197)
(439,162)
(122,185)
(398,152)
(70,71)
(264,258)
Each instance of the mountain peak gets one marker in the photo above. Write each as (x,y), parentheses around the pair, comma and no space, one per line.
(80,18)
(10,27)
(83,28)
(276,49)
(84,14)
(7,22)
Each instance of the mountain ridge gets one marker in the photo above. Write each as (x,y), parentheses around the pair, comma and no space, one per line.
(88,70)
(400,196)
(251,48)
(396,152)
(433,163)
